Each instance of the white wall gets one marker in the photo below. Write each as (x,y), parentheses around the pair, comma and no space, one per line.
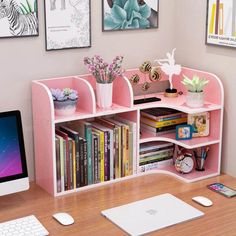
(192,52)
(25,59)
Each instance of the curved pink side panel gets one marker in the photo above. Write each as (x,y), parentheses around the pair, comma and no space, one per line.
(122,92)
(43,128)
(213,91)
(86,100)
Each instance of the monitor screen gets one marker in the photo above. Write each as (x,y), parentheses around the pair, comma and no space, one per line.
(12,151)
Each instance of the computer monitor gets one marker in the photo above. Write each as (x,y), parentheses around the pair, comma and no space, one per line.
(13,168)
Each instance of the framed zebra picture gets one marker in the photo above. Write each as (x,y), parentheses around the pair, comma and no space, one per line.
(18,18)
(68,24)
(129,14)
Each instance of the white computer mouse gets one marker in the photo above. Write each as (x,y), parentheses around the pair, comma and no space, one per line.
(203,201)
(64,218)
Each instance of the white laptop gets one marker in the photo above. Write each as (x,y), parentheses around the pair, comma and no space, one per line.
(141,217)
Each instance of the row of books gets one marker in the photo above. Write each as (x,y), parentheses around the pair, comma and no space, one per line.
(161,121)
(89,152)
(154,155)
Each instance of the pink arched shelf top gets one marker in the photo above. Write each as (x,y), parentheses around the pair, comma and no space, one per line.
(122,91)
(213,92)
(86,98)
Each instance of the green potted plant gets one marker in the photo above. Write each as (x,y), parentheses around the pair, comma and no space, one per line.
(104,74)
(195,94)
(65,100)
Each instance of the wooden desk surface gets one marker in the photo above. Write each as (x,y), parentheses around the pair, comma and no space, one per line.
(85,206)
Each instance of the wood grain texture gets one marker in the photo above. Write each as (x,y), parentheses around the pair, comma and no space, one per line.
(85,206)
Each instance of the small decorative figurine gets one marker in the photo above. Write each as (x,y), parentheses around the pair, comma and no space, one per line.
(169,67)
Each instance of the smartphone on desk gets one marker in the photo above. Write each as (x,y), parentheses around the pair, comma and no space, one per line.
(222,189)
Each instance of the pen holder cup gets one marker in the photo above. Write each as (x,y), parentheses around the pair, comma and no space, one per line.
(199,163)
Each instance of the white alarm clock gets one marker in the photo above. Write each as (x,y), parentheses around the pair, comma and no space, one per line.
(184,163)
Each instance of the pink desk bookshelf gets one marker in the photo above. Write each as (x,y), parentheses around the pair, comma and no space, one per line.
(44,121)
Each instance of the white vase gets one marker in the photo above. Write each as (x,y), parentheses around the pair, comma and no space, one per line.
(195,99)
(104,95)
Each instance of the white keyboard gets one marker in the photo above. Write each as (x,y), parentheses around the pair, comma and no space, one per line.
(26,226)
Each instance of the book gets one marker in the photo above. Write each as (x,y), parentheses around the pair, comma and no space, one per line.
(101,152)
(108,133)
(162,114)
(85,158)
(154,146)
(62,146)
(58,164)
(66,159)
(132,144)
(147,154)
(160,130)
(85,130)
(158,124)
(72,133)
(124,140)
(200,123)
(115,163)
(95,157)
(156,165)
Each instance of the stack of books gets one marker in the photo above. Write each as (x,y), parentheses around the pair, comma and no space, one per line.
(161,121)
(89,152)
(154,155)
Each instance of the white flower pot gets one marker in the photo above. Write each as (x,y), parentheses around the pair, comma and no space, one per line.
(195,99)
(104,95)
(65,108)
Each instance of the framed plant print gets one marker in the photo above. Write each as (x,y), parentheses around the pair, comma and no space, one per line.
(18,18)
(68,24)
(221,23)
(129,14)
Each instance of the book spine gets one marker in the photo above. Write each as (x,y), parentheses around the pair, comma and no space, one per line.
(111,148)
(95,158)
(158,124)
(70,180)
(127,152)
(156,158)
(85,154)
(146,154)
(62,144)
(58,164)
(108,154)
(74,164)
(163,118)
(88,136)
(65,165)
(102,157)
(105,156)
(81,158)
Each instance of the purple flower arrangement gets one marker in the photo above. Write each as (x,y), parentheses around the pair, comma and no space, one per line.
(64,94)
(103,72)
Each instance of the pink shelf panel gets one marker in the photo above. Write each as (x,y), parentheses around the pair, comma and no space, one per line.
(192,143)
(86,101)
(43,137)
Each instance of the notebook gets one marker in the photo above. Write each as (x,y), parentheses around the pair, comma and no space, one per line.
(144,216)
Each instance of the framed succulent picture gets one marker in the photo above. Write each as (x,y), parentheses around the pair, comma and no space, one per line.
(68,24)
(18,18)
(129,14)
(221,23)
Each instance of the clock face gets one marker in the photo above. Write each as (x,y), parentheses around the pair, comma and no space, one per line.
(186,165)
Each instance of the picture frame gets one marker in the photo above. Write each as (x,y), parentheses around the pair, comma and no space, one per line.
(183,132)
(67,24)
(116,18)
(200,123)
(25,22)
(221,23)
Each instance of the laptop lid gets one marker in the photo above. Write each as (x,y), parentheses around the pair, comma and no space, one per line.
(140,217)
